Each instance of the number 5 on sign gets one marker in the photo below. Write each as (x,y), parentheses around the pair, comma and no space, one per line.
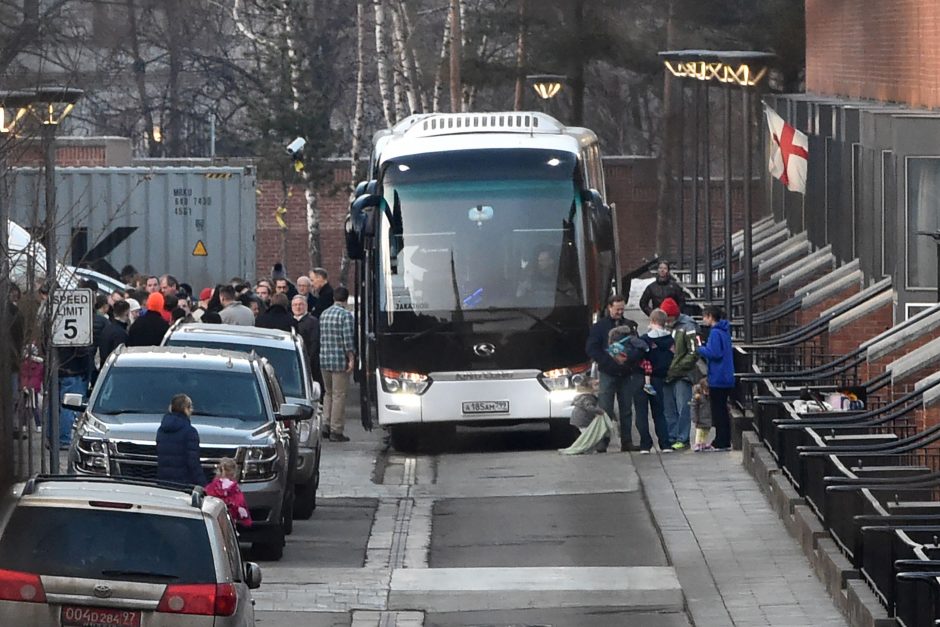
(72,316)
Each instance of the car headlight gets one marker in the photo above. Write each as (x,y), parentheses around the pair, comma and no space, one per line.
(303,431)
(395,382)
(93,456)
(564,378)
(259,463)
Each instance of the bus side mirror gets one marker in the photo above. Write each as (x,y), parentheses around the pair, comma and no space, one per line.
(362,214)
(361,188)
(354,245)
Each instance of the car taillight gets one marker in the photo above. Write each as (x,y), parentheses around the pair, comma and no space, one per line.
(24,587)
(206,599)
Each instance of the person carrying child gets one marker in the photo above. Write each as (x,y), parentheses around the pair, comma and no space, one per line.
(225,487)
(595,425)
(660,343)
(700,405)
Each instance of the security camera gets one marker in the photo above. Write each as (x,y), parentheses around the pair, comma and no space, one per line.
(296,147)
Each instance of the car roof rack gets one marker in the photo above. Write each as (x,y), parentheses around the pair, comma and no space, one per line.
(197,493)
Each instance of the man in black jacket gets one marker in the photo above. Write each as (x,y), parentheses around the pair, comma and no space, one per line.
(115,333)
(618,378)
(321,283)
(277,316)
(665,286)
(309,329)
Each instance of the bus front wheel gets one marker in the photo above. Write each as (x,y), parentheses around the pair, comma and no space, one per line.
(561,433)
(405,438)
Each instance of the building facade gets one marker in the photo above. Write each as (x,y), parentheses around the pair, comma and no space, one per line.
(870,111)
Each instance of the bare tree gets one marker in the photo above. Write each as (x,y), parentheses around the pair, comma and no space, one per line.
(381,62)
(456,37)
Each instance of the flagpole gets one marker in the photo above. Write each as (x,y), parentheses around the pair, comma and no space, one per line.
(747,262)
(728,209)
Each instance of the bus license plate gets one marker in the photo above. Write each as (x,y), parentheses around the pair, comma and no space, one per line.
(486,407)
(75,616)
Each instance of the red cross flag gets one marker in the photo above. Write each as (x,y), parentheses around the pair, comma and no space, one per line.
(789,152)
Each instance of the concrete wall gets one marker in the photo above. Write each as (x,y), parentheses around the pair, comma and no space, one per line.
(874,49)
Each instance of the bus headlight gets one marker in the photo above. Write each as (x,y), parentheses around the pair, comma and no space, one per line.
(564,378)
(395,382)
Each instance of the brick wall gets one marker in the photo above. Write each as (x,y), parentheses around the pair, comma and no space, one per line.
(290,246)
(874,49)
(632,185)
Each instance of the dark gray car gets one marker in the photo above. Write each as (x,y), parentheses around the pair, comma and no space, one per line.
(239,412)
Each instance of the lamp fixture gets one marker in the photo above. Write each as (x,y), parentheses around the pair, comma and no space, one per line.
(547,85)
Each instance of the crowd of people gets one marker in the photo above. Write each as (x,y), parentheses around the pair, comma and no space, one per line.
(142,314)
(676,371)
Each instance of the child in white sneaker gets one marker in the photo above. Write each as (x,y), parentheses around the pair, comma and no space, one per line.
(701,415)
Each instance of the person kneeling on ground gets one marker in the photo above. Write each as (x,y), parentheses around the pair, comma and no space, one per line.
(591,420)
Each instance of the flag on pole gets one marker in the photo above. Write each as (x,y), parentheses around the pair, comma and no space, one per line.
(789,152)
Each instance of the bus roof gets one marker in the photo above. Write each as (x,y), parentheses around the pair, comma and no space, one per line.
(441,132)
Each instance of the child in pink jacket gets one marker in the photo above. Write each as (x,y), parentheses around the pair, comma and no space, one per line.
(226,488)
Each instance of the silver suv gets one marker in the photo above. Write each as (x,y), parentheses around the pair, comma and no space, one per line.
(238,410)
(80,552)
(285,351)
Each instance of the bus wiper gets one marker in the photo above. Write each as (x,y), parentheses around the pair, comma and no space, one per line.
(420,334)
(138,573)
(551,325)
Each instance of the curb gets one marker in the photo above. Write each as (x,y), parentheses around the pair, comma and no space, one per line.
(847,589)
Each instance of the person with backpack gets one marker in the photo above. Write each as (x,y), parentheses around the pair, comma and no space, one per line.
(619,376)
(660,343)
(682,374)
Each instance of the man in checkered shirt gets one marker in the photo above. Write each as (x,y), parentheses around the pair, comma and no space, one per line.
(337,355)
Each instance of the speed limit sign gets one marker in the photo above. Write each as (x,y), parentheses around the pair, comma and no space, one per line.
(72,315)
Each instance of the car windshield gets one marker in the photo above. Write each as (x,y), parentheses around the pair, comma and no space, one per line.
(479,230)
(118,545)
(286,363)
(221,393)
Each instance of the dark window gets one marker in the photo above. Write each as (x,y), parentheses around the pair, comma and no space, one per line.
(923,197)
(220,393)
(286,363)
(107,544)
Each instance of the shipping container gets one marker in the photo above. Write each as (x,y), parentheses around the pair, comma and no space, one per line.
(197,224)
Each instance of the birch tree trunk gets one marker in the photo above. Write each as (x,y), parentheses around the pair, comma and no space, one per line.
(399,88)
(380,61)
(439,77)
(140,69)
(402,47)
(456,36)
(358,123)
(413,63)
(519,97)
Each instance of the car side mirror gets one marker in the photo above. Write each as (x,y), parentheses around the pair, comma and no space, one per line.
(74,401)
(252,575)
(290,411)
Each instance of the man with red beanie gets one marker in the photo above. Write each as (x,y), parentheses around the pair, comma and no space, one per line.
(677,391)
(150,327)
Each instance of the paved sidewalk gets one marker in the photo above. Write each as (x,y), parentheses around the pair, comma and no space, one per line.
(736,562)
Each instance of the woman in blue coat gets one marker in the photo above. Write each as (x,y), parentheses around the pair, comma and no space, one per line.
(178,445)
(717,353)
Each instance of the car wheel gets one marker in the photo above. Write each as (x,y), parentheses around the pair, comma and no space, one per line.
(287,514)
(305,501)
(268,551)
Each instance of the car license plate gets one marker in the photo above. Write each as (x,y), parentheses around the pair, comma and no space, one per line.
(486,407)
(76,616)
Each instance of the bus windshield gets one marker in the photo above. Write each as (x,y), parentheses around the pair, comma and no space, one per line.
(481,230)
